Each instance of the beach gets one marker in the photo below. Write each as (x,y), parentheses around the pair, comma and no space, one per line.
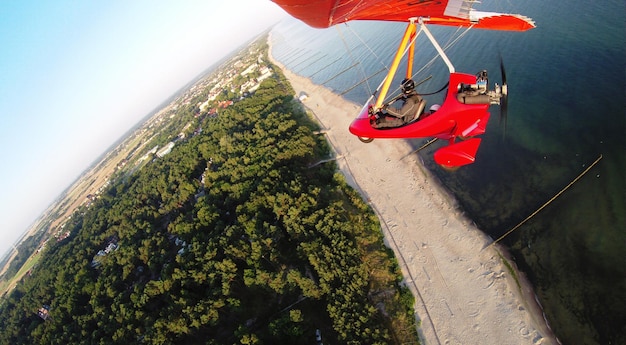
(465,292)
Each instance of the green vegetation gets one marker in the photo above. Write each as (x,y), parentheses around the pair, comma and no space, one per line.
(511,270)
(228,239)
(28,265)
(26,249)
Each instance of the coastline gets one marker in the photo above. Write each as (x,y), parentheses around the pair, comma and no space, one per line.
(464,291)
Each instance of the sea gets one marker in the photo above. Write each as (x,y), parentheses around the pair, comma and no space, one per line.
(566,112)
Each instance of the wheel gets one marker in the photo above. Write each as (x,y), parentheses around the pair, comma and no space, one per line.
(449,168)
(366,140)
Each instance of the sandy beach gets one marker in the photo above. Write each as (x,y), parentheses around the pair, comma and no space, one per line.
(464,292)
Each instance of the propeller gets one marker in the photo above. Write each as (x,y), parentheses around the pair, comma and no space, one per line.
(504,100)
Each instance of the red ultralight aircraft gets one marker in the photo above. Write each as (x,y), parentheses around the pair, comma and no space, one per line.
(464,113)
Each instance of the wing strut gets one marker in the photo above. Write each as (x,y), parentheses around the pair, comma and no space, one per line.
(408,33)
(408,39)
(437,46)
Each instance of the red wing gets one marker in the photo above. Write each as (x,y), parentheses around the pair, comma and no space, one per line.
(487,20)
(326,13)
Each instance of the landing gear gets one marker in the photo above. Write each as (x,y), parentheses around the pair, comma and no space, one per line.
(365,139)
(449,168)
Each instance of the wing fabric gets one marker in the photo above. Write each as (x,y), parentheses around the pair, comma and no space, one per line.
(326,13)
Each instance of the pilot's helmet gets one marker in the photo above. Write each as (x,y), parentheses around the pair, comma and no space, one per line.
(408,85)
(434,108)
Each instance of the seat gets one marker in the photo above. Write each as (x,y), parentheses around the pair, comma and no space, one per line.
(420,109)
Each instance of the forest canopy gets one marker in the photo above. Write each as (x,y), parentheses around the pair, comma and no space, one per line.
(233,237)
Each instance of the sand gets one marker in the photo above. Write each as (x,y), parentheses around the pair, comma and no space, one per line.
(464,292)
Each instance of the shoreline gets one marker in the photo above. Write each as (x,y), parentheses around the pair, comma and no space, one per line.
(464,291)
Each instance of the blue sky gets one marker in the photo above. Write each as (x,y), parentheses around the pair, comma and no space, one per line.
(76,75)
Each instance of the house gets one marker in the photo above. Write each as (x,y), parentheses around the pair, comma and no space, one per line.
(44,312)
(250,69)
(111,247)
(165,150)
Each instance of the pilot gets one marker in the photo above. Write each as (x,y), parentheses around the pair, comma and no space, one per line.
(411,108)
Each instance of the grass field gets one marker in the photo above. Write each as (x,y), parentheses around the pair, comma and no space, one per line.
(7,285)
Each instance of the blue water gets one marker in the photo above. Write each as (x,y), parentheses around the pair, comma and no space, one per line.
(567,84)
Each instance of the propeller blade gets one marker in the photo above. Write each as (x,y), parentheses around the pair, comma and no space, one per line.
(502,71)
(504,101)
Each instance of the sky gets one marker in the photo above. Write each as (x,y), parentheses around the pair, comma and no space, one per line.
(76,75)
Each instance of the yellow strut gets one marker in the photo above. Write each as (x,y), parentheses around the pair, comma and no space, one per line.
(411,58)
(408,34)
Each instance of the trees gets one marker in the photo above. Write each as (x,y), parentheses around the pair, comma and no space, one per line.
(263,250)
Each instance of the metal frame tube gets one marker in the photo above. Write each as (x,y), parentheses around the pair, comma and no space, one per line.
(437,46)
(409,37)
(411,56)
(410,29)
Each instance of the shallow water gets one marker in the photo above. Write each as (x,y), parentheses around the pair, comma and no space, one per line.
(566,108)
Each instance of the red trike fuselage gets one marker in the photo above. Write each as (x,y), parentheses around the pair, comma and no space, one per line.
(453,119)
